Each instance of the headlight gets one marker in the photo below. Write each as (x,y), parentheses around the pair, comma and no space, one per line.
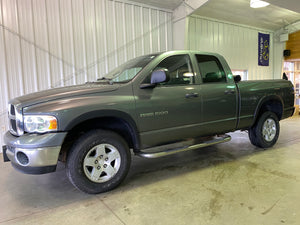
(40,124)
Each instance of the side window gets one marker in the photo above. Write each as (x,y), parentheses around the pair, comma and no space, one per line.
(179,69)
(210,69)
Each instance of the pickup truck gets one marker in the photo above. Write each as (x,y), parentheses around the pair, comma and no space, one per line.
(152,106)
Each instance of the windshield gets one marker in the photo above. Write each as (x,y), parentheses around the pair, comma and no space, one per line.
(128,70)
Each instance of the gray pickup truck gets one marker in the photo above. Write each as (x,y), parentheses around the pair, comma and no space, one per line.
(153,106)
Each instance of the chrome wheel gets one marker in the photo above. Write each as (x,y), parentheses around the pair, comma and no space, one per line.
(269,129)
(102,163)
(265,131)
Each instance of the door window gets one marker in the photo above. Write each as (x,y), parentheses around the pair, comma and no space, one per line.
(179,69)
(210,69)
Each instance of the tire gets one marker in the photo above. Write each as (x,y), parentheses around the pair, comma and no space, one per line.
(264,133)
(98,161)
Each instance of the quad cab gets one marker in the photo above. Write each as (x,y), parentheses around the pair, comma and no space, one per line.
(153,106)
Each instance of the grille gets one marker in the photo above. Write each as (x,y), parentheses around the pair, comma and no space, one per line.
(13,125)
(15,120)
(12,110)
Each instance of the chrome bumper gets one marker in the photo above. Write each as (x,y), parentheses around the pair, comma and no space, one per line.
(34,153)
(36,157)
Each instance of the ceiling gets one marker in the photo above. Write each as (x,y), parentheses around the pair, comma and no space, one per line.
(278,14)
(292,5)
(165,4)
(271,17)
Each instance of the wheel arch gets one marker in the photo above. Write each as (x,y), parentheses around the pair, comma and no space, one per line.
(112,120)
(272,103)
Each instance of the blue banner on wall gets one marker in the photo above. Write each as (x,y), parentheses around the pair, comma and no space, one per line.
(263,49)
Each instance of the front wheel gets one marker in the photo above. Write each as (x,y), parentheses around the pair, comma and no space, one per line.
(264,133)
(98,161)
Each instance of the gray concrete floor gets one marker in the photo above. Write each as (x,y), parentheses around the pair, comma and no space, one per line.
(230,183)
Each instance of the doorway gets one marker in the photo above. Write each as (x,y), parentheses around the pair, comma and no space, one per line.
(292,69)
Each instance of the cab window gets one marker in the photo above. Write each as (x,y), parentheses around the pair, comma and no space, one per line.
(179,70)
(210,69)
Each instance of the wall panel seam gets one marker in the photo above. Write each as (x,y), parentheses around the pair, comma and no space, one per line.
(74,74)
(96,40)
(5,59)
(133,31)
(142,30)
(85,63)
(105,37)
(62,80)
(115,32)
(35,49)
(150,28)
(50,74)
(21,81)
(124,31)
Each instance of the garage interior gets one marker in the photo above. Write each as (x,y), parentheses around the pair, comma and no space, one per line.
(49,44)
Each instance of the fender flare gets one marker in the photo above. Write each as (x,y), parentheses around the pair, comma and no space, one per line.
(108,113)
(262,101)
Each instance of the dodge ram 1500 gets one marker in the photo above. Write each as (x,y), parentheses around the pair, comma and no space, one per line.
(153,106)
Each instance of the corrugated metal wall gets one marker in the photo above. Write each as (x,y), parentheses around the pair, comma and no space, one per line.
(51,43)
(237,43)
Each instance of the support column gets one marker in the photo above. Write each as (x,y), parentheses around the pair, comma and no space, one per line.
(180,21)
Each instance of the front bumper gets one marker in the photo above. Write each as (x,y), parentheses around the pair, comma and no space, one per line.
(33,153)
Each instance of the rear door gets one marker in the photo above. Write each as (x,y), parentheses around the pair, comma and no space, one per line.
(218,94)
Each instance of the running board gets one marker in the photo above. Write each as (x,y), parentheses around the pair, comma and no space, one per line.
(170,149)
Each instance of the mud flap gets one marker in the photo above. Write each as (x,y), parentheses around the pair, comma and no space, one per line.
(4,149)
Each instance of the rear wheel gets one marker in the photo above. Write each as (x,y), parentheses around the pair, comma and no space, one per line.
(264,133)
(98,161)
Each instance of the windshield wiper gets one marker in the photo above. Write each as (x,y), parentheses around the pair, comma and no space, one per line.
(103,78)
(110,81)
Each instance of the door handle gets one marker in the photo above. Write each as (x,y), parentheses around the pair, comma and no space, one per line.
(192,95)
(227,92)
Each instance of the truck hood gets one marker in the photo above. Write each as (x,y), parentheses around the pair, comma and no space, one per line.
(60,93)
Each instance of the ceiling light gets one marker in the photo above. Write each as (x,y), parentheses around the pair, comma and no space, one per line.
(258,4)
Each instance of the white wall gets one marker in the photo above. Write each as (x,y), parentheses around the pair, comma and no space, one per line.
(237,43)
(51,43)
(278,58)
(180,19)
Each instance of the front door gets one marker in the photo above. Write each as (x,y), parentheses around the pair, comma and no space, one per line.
(172,110)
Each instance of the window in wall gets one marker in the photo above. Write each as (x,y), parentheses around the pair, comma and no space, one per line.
(210,69)
(242,73)
(288,69)
(292,70)
(179,69)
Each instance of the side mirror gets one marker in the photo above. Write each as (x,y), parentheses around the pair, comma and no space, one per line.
(157,76)
(237,78)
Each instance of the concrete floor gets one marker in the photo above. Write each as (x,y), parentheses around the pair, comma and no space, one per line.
(230,183)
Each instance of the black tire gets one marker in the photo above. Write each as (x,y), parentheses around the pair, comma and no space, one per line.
(98,161)
(264,133)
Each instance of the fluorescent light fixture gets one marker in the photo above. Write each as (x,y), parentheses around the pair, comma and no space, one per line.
(258,4)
